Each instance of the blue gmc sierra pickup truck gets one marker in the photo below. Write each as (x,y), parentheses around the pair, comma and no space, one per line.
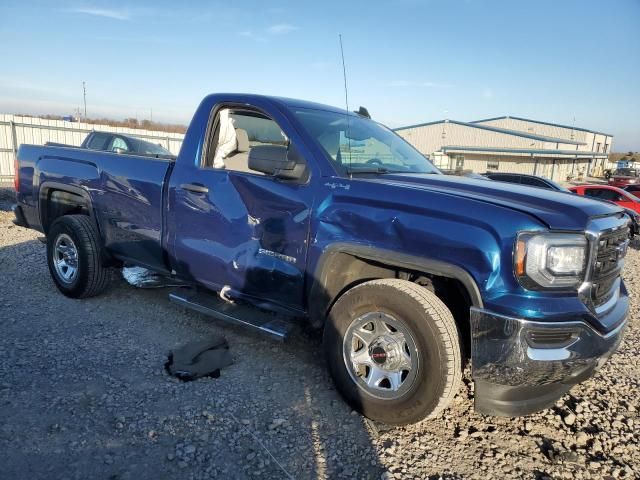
(278,211)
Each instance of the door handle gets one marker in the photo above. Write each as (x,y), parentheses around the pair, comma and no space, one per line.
(195,187)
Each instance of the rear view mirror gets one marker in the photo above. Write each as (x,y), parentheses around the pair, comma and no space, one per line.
(277,160)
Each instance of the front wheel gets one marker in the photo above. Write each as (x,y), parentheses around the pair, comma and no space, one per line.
(393,350)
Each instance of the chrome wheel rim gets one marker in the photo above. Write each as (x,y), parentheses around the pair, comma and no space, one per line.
(381,355)
(65,258)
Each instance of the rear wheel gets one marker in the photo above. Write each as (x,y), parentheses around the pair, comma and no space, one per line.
(74,257)
(393,350)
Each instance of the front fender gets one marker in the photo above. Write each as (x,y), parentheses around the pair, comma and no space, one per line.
(327,284)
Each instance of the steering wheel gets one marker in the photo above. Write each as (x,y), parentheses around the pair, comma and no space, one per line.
(374,161)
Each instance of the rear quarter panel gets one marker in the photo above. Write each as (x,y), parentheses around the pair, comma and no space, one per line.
(125,194)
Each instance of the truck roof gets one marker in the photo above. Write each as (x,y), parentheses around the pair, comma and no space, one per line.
(284,102)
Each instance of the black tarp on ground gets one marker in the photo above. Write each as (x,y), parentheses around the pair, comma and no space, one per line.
(200,359)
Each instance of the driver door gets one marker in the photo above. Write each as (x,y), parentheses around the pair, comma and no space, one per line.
(237,229)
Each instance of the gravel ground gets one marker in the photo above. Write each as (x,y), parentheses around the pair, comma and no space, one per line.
(83,394)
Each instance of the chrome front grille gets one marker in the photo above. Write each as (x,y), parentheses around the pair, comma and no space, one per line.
(611,249)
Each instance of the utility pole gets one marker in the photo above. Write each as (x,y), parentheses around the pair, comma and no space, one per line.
(84,96)
(151,114)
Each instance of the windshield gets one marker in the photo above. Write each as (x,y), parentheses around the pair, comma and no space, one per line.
(359,145)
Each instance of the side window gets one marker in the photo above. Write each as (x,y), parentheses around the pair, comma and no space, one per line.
(603,194)
(506,178)
(118,144)
(533,182)
(616,197)
(610,195)
(98,141)
(236,133)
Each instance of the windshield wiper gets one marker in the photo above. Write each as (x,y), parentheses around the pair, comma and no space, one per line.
(378,170)
(384,170)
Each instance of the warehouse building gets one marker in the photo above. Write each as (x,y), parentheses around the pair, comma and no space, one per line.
(512,144)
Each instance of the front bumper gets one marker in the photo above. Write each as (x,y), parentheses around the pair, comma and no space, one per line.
(521,366)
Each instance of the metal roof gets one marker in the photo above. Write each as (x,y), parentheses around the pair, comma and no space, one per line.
(542,123)
(575,153)
(517,133)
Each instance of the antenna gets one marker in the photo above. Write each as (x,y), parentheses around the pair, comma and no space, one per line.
(346,99)
(344,74)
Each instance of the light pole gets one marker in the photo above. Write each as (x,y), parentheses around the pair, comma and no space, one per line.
(84,96)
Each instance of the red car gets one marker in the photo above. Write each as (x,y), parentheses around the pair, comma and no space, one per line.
(633,189)
(623,177)
(610,194)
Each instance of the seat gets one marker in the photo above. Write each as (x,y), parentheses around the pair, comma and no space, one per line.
(238,161)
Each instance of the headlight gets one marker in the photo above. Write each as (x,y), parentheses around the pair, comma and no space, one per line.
(550,260)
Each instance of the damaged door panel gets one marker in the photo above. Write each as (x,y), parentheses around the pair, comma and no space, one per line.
(244,232)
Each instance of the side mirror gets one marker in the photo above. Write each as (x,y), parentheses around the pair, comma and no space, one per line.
(119,150)
(278,160)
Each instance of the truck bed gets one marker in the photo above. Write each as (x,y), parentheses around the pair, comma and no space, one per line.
(124,192)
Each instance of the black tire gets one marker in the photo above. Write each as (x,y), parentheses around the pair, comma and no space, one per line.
(92,277)
(435,336)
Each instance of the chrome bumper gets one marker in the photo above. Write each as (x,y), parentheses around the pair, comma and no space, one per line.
(521,366)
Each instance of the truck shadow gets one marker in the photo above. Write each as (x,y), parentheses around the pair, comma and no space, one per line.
(289,406)
(273,414)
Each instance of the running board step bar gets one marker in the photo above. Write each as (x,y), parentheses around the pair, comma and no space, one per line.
(275,326)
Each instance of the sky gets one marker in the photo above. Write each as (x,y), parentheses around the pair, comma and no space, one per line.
(574,62)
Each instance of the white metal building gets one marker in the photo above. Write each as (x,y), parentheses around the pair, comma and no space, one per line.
(512,144)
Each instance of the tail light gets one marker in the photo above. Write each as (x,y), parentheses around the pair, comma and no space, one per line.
(16,175)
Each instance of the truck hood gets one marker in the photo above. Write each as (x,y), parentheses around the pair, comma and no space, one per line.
(558,210)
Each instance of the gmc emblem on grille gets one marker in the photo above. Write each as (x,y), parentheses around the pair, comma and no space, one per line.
(621,250)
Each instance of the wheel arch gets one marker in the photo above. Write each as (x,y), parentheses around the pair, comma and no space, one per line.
(344,265)
(58,199)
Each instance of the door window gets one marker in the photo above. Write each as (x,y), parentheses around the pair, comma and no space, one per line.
(237,132)
(603,194)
